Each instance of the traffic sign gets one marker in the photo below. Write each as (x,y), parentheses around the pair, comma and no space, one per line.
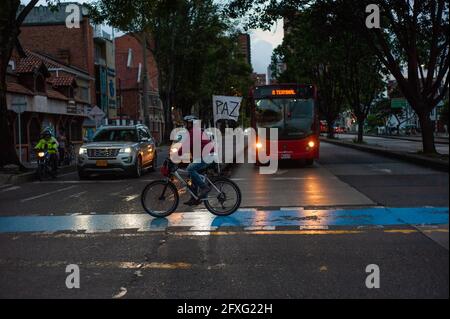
(19,105)
(96,114)
(398,103)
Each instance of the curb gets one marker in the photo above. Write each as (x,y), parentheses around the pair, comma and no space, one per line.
(30,176)
(436,164)
(401,138)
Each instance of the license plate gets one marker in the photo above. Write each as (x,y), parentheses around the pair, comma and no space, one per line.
(285,156)
(101,163)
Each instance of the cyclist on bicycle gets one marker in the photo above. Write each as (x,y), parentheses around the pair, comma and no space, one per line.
(197,164)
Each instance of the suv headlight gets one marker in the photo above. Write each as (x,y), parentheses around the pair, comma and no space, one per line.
(82,151)
(125,150)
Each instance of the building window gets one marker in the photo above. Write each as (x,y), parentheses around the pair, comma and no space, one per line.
(39,84)
(84,93)
(75,131)
(71,92)
(11,66)
(35,130)
(130,58)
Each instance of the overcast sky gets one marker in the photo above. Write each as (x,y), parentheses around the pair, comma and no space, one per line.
(262,42)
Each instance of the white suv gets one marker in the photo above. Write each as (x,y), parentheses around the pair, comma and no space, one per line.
(118,149)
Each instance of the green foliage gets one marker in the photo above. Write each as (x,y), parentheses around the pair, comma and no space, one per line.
(443,113)
(193,43)
(314,53)
(373,121)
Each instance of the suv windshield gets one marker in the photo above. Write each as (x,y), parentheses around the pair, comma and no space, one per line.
(293,117)
(115,135)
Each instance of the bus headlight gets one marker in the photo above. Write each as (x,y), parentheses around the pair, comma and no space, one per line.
(311,144)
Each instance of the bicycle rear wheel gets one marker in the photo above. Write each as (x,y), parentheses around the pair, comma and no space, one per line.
(160,198)
(225,198)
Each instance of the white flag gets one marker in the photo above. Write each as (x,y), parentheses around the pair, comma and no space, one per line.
(226,107)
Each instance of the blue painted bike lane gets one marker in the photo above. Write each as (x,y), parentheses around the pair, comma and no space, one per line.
(243,218)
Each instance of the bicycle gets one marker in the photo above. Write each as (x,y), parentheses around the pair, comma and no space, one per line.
(161,198)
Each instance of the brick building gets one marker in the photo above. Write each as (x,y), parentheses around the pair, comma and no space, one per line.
(129,64)
(49,94)
(245,47)
(88,48)
(259,78)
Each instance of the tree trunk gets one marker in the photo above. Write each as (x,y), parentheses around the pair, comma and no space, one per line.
(330,129)
(427,133)
(360,131)
(167,111)
(7,147)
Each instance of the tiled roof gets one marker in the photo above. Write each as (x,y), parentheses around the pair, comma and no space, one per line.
(65,80)
(53,94)
(14,87)
(28,64)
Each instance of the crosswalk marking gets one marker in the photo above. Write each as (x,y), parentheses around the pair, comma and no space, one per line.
(9,189)
(77,195)
(251,219)
(131,197)
(46,194)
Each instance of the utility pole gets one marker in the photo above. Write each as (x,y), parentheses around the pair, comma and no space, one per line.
(145,84)
(119,99)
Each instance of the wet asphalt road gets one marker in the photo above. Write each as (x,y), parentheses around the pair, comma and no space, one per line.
(278,261)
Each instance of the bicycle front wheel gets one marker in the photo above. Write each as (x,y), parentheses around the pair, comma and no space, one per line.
(224,198)
(160,198)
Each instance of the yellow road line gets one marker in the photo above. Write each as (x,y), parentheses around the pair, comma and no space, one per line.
(244,232)
(100,264)
(301,232)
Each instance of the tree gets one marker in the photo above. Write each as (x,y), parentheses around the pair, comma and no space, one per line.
(362,76)
(10,22)
(226,73)
(182,36)
(136,18)
(314,54)
(414,35)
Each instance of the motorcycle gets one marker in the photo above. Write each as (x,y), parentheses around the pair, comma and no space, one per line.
(44,169)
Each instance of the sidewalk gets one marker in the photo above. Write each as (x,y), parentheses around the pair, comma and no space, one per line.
(415,138)
(13,176)
(407,153)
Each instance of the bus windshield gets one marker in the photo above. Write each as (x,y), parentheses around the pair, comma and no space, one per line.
(293,117)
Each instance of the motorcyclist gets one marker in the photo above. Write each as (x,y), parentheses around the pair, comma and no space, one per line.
(194,168)
(50,144)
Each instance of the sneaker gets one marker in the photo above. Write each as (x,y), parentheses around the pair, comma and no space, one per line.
(192,202)
(204,192)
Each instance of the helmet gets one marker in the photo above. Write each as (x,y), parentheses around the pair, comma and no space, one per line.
(190,118)
(46,132)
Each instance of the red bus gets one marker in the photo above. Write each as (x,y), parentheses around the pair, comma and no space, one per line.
(292,108)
